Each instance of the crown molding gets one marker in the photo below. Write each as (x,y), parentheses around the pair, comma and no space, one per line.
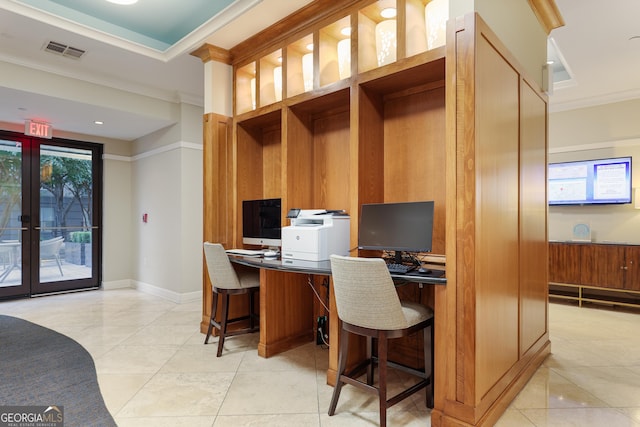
(547,13)
(208,52)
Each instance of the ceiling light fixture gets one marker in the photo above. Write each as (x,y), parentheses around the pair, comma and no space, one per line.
(99,122)
(389,12)
(123,2)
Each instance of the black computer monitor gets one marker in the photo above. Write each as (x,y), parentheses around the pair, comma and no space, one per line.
(261,222)
(399,227)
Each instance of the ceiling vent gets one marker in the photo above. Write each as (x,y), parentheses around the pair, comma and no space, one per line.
(64,50)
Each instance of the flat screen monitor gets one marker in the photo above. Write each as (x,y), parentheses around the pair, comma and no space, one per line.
(590,182)
(400,227)
(261,222)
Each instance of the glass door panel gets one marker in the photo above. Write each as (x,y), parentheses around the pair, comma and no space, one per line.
(11,230)
(66,218)
(50,215)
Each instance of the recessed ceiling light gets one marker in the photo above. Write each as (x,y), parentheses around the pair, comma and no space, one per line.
(98,122)
(388,12)
(126,2)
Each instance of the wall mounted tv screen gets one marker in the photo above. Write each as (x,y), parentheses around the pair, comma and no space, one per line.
(590,182)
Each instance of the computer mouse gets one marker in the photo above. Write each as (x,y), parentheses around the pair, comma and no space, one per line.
(270,254)
(424,270)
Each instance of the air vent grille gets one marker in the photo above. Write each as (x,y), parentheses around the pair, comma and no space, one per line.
(64,50)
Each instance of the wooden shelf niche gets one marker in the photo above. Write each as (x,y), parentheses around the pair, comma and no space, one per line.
(335,52)
(271,78)
(318,153)
(300,66)
(402,130)
(245,83)
(425,25)
(258,159)
(408,28)
(377,41)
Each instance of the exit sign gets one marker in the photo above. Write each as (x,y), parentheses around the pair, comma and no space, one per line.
(39,129)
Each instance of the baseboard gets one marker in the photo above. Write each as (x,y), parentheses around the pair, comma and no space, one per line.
(147,288)
(116,284)
(176,297)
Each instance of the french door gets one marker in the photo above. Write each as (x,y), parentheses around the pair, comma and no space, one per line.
(50,215)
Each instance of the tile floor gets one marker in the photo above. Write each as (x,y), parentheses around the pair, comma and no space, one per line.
(154,370)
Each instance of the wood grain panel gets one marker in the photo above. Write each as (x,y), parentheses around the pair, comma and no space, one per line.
(462,381)
(217,194)
(564,262)
(370,133)
(632,273)
(297,161)
(288,301)
(414,131)
(497,276)
(533,220)
(331,161)
(271,162)
(249,171)
(217,167)
(602,265)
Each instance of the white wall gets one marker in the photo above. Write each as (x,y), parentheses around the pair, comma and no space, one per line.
(167,186)
(610,130)
(517,26)
(116,232)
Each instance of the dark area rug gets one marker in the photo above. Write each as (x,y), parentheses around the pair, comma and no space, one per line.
(39,366)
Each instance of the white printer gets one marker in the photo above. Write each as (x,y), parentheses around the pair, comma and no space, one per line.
(315,234)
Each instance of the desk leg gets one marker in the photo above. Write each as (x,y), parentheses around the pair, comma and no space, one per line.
(286,312)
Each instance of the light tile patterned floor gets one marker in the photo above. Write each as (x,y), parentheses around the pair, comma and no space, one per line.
(154,370)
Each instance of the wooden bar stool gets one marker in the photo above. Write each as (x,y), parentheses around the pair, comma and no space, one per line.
(225,281)
(368,305)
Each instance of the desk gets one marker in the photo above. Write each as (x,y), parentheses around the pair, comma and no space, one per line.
(323,268)
(286,303)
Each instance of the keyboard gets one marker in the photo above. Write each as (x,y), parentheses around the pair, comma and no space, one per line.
(245,252)
(399,268)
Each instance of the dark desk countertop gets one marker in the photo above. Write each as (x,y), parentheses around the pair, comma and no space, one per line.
(323,268)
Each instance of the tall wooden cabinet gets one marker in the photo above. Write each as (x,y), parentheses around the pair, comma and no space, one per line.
(459,124)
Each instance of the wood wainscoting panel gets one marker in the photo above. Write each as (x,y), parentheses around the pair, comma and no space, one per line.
(496,207)
(217,195)
(533,219)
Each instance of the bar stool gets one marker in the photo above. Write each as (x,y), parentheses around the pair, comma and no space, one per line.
(368,305)
(225,281)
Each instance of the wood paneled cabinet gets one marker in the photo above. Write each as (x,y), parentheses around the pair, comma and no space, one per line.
(607,266)
(459,124)
(564,263)
(603,265)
